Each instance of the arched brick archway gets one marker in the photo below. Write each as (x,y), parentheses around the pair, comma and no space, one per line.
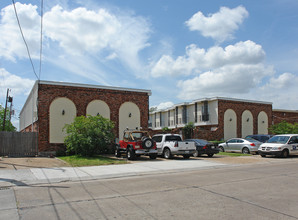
(230,124)
(62,112)
(262,123)
(98,107)
(129,117)
(247,123)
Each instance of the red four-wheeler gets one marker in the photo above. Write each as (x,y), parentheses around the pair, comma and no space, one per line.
(136,143)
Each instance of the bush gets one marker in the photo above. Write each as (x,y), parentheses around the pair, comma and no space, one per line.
(166,130)
(88,136)
(284,128)
(188,130)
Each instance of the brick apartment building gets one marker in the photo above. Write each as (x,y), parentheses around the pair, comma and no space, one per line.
(51,105)
(221,118)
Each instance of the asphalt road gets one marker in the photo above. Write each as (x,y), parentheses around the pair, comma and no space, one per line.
(253,191)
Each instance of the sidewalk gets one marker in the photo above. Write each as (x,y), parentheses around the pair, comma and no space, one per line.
(24,177)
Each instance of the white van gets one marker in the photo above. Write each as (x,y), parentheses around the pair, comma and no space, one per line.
(280,145)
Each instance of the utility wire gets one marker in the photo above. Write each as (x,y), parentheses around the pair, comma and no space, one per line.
(15,10)
(41,27)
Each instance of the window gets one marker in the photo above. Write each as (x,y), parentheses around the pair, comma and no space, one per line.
(205,111)
(232,141)
(184,114)
(196,112)
(293,140)
(173,138)
(160,119)
(176,115)
(157,139)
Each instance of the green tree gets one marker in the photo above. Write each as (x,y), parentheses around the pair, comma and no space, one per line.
(166,129)
(90,135)
(188,130)
(284,128)
(152,109)
(8,125)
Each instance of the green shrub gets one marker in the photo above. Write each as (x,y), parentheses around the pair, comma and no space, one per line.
(284,128)
(88,136)
(188,130)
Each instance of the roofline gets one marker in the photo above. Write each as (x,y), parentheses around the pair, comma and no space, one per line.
(93,86)
(285,110)
(45,82)
(211,99)
(230,99)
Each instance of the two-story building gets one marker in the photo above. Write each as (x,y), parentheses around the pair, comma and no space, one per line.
(216,118)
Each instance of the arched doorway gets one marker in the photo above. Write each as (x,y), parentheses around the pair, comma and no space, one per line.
(247,123)
(129,117)
(230,124)
(98,107)
(62,112)
(262,123)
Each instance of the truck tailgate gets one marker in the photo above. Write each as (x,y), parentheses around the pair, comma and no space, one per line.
(185,145)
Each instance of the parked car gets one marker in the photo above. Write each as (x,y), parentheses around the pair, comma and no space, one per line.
(260,137)
(172,144)
(204,147)
(242,145)
(136,143)
(280,145)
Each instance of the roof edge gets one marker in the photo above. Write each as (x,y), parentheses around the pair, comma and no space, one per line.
(93,86)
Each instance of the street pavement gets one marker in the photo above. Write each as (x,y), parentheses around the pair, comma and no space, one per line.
(23,177)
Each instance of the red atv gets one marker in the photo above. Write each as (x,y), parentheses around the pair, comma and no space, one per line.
(136,143)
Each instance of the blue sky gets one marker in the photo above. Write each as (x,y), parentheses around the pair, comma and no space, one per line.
(180,50)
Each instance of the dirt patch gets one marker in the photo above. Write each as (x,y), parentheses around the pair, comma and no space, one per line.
(30,162)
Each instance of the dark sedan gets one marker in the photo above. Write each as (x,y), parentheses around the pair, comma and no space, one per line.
(204,147)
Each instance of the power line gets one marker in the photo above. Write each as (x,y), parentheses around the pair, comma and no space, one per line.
(41,26)
(15,10)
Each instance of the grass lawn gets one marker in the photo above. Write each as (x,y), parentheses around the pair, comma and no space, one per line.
(80,161)
(233,154)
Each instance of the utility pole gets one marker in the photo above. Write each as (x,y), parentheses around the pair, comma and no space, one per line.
(4,118)
(8,99)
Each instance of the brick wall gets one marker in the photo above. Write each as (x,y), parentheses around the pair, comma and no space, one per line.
(81,97)
(239,107)
(280,115)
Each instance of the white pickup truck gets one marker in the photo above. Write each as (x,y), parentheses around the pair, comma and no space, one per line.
(172,144)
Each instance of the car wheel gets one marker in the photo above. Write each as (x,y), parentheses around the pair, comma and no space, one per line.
(210,155)
(285,153)
(196,154)
(186,156)
(245,150)
(221,149)
(167,153)
(117,153)
(153,156)
(130,154)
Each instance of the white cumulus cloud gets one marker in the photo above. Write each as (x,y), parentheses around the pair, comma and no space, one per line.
(82,31)
(197,60)
(17,84)
(79,32)
(221,25)
(11,43)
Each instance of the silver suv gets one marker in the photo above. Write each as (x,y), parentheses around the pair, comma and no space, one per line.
(280,145)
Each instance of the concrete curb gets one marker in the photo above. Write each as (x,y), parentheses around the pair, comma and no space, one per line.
(64,174)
